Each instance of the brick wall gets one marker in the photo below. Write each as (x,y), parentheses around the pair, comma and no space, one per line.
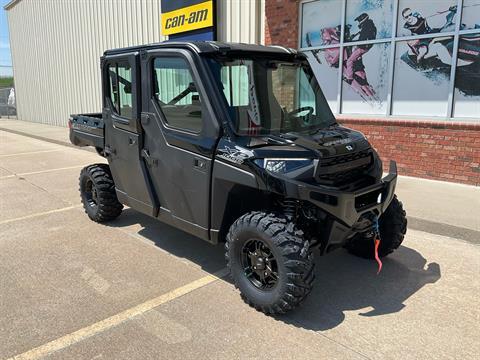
(281,22)
(447,150)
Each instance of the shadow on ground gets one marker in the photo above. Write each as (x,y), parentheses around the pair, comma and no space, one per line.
(343,282)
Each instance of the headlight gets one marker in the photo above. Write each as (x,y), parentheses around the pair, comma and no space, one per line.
(283,166)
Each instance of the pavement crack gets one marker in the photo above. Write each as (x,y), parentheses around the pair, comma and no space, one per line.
(43,189)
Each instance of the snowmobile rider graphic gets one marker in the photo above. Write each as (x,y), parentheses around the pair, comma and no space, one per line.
(423,49)
(368,31)
(415,22)
(417,25)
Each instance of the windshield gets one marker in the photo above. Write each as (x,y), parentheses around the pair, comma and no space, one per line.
(266,96)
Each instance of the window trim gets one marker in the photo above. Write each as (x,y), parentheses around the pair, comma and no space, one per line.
(156,103)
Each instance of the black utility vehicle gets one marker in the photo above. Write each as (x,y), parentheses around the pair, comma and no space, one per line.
(236,143)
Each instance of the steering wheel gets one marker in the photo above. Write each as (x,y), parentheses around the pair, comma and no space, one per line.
(296,112)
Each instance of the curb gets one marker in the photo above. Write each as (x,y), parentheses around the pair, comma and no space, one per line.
(42,138)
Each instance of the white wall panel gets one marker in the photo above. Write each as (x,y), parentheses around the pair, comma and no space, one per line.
(56,47)
(240,21)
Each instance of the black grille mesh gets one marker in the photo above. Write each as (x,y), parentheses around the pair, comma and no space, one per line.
(343,177)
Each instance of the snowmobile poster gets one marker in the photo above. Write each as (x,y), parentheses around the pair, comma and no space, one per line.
(365,67)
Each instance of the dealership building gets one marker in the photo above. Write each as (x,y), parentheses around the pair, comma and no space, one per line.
(404,72)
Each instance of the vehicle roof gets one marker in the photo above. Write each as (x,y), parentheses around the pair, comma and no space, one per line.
(204,47)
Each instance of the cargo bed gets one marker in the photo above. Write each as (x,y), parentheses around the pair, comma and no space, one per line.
(87,130)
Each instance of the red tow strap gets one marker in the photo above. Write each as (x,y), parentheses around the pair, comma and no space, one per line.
(377,258)
(376,241)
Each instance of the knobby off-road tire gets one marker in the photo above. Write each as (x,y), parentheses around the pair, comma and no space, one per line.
(97,191)
(293,258)
(393,227)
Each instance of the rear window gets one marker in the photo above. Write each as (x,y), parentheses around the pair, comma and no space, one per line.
(120,88)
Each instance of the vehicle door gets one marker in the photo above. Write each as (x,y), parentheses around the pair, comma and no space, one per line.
(181,133)
(123,135)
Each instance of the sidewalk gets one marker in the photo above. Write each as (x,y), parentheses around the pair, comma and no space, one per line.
(55,134)
(436,207)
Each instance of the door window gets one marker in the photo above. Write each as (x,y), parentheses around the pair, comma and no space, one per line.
(120,81)
(235,84)
(176,93)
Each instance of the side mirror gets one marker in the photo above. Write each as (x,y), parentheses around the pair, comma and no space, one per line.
(192,87)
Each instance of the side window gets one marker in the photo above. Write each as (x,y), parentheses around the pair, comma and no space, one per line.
(306,94)
(120,75)
(235,84)
(176,93)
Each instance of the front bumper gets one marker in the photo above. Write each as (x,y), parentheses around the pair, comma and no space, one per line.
(346,210)
(348,207)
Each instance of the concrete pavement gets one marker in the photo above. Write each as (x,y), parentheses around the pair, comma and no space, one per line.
(63,276)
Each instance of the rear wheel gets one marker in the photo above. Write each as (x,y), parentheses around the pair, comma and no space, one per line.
(97,191)
(393,227)
(269,261)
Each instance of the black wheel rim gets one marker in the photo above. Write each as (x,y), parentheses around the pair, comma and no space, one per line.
(259,264)
(91,193)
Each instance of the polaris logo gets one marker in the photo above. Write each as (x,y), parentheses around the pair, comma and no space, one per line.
(337,142)
(349,147)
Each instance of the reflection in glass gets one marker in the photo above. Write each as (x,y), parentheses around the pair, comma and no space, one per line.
(368,20)
(422,77)
(365,79)
(321,22)
(467,78)
(426,17)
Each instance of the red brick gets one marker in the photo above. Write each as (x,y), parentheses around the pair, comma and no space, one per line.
(450,154)
(281,23)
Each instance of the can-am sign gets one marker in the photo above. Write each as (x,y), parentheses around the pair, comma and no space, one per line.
(186,15)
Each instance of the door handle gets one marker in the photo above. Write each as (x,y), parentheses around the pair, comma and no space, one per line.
(131,141)
(199,164)
(148,159)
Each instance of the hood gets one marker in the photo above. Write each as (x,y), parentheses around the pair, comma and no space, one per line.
(328,142)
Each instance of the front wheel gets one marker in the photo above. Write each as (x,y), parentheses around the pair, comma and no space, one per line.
(269,261)
(393,227)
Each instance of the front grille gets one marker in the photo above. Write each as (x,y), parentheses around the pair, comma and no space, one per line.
(341,159)
(343,169)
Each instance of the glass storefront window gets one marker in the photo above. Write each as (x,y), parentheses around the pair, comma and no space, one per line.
(401,66)
(467,77)
(426,17)
(368,20)
(321,23)
(365,79)
(422,77)
(325,65)
(471,14)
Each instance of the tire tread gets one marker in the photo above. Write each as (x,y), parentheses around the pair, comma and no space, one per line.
(288,239)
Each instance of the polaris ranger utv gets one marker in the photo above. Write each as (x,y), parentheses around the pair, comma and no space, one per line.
(236,143)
